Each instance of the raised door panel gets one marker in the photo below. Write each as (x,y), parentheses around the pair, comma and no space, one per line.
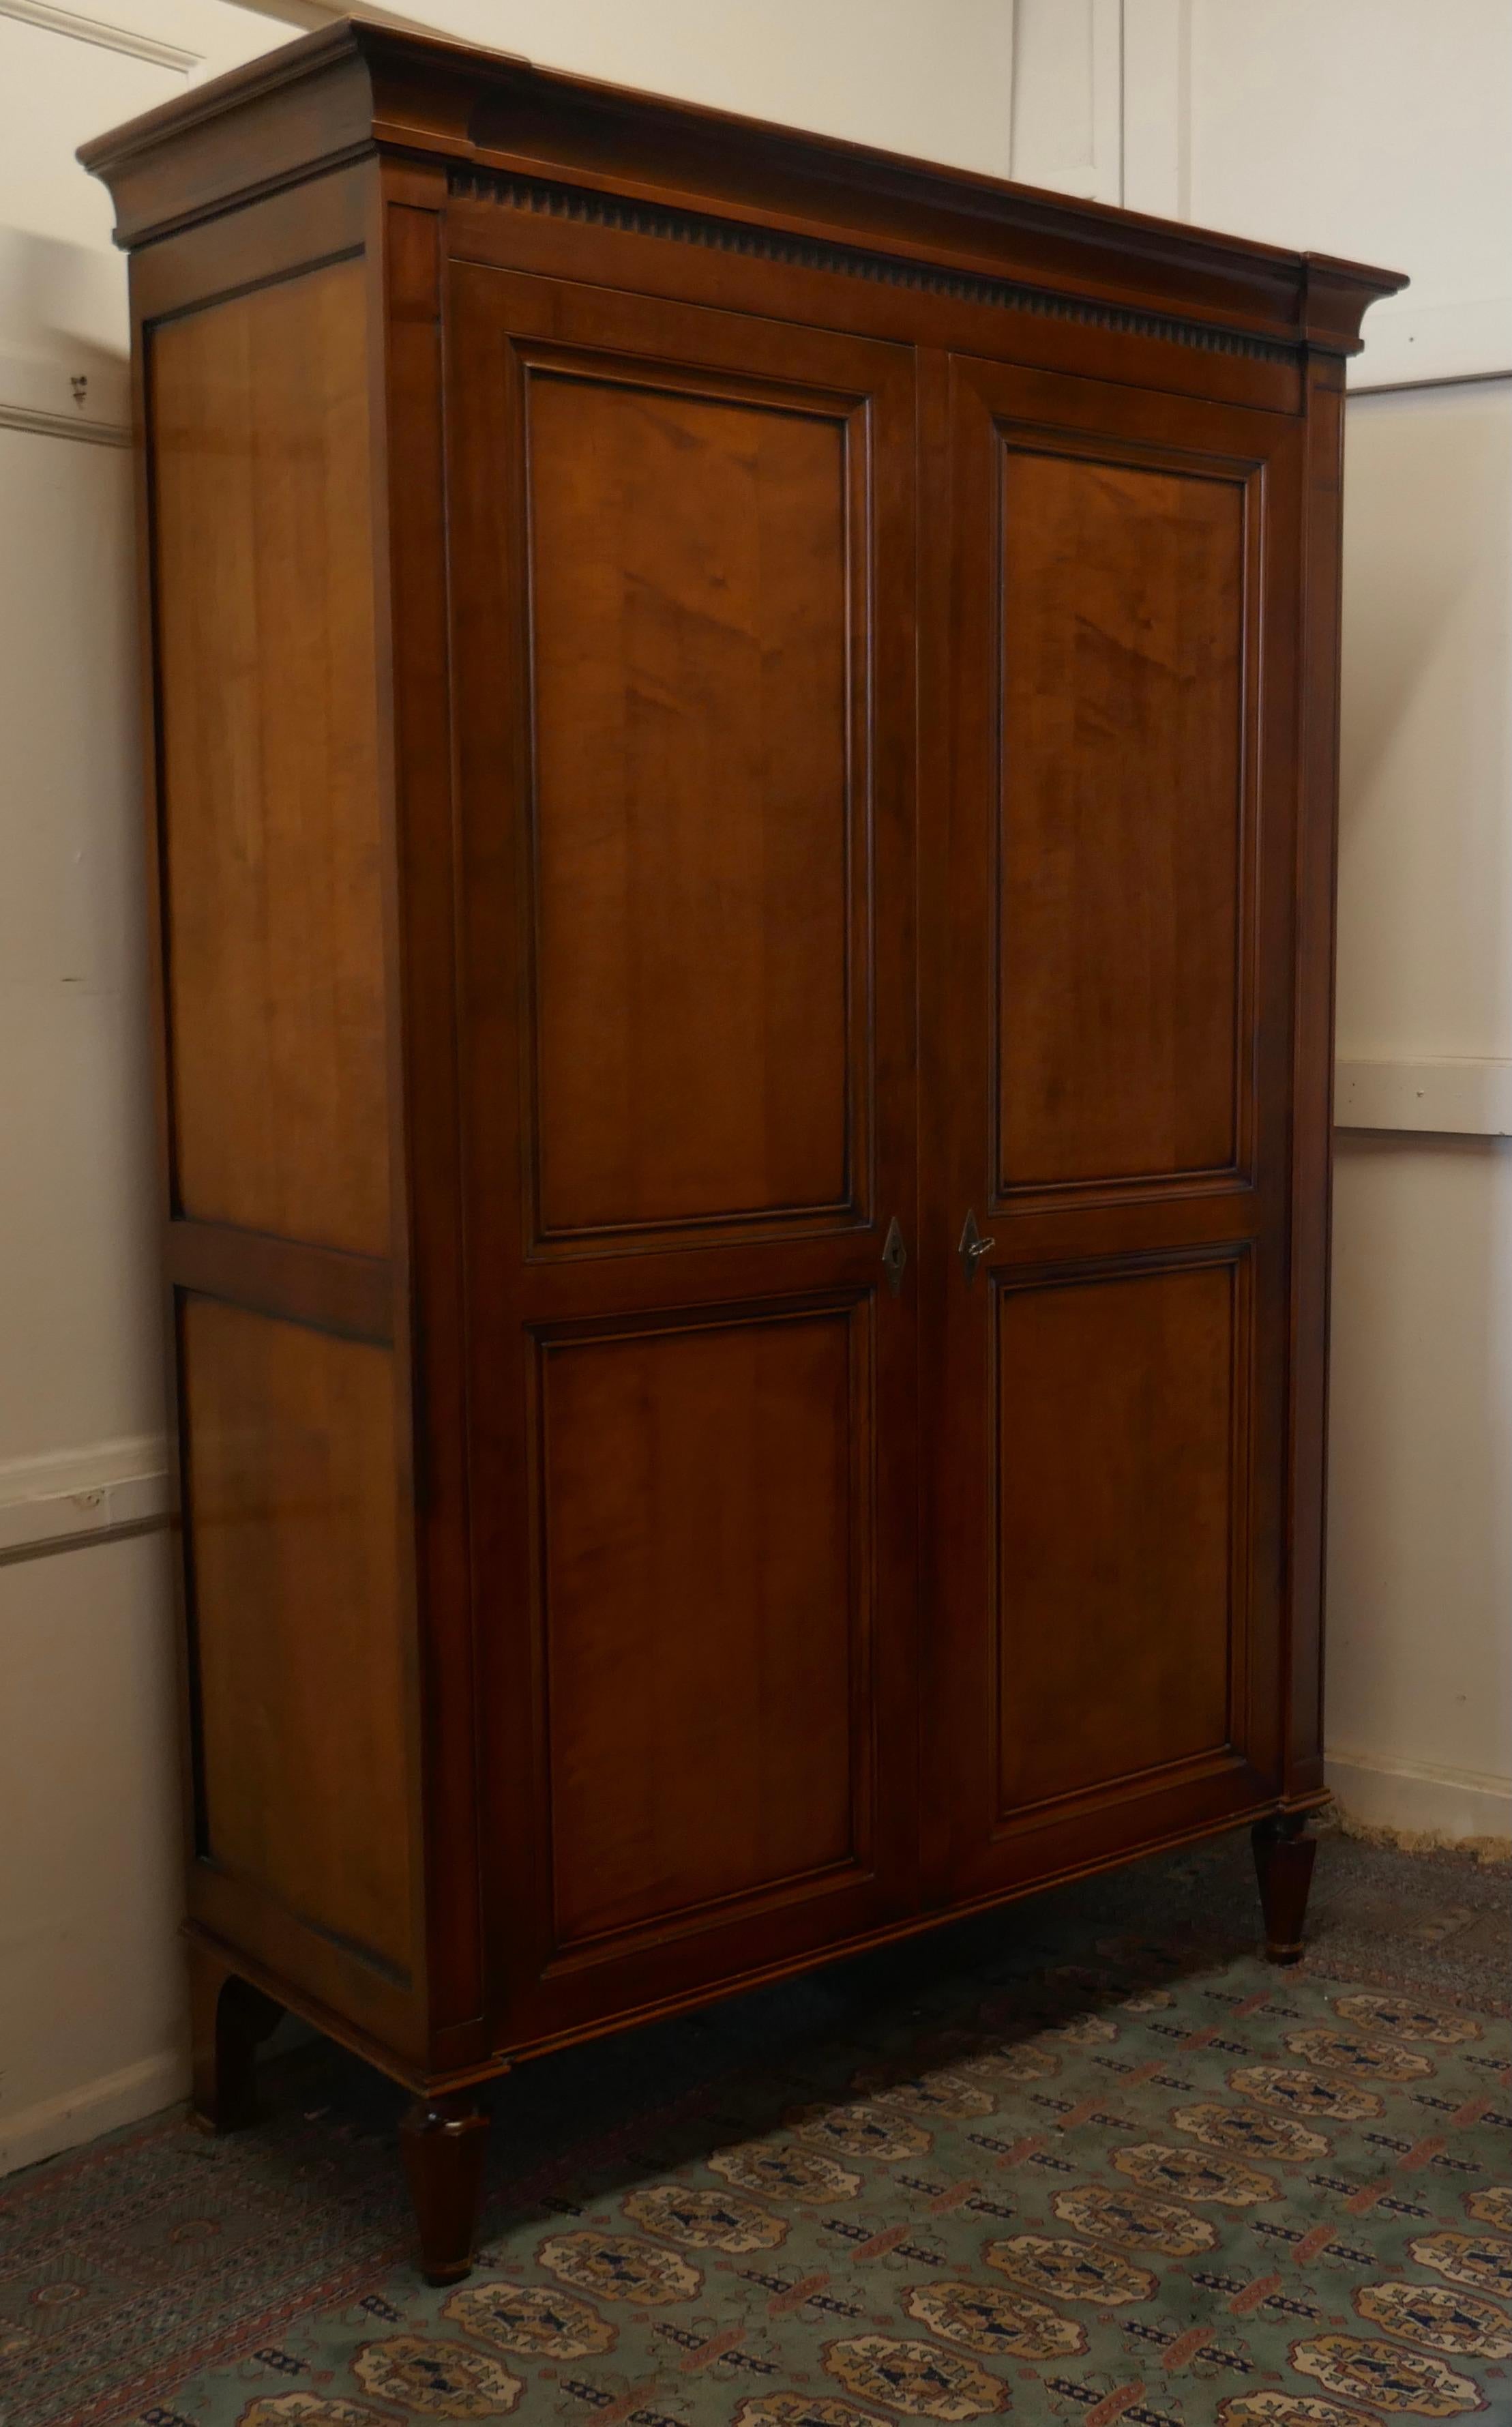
(690,620)
(704,1528)
(274,925)
(683,609)
(1121,816)
(1120,1538)
(1108,1022)
(300,1663)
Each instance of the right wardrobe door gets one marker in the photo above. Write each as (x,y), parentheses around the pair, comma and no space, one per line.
(1108,1058)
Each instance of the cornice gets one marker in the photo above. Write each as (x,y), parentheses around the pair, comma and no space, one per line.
(674,226)
(360,88)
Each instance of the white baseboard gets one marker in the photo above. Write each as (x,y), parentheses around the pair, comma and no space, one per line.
(1419,1797)
(96,2107)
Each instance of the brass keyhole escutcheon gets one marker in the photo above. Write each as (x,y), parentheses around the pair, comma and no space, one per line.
(974,1247)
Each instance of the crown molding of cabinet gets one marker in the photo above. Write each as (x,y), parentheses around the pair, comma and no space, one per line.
(359,88)
(75,26)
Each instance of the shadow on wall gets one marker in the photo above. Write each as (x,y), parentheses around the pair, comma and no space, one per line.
(1425,793)
(1420,1554)
(63,329)
(1420,1607)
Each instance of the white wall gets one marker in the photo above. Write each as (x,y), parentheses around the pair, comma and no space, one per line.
(1421,1549)
(932,78)
(1420,1650)
(1383,130)
(91,1994)
(91,1989)
(1367,126)
(1378,129)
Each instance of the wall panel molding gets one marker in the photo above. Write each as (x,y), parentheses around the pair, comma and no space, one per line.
(87,397)
(74,25)
(72,1497)
(1436,345)
(59,425)
(1156,107)
(1456,1096)
(1066,103)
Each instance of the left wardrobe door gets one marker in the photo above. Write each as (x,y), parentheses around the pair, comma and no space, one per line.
(682,618)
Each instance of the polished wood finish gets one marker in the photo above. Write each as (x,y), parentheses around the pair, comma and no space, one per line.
(1120,595)
(444,2141)
(724,1342)
(268,724)
(691,630)
(228,2020)
(1285,1851)
(1109,1029)
(1114,1556)
(720,703)
(1312,1081)
(704,1538)
(290,1527)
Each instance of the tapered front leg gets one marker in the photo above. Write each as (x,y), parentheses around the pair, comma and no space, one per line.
(444,2141)
(230,2018)
(1284,1856)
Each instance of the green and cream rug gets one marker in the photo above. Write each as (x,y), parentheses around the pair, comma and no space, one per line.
(1090,2161)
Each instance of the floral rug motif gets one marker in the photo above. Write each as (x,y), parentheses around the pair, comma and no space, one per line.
(1094,2161)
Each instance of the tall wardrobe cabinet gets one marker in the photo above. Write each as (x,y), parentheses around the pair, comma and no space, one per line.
(741,804)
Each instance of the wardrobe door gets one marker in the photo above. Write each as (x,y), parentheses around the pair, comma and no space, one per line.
(1108,1056)
(683,624)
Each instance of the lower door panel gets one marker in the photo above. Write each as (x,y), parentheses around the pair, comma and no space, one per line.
(1119,1569)
(708,1613)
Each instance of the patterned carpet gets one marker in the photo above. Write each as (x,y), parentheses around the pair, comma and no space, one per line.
(1087,2161)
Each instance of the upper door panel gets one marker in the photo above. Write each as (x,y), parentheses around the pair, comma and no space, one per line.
(1121,588)
(697,601)
(702,622)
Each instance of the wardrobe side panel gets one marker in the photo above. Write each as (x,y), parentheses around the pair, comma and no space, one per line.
(274,962)
(292,1396)
(290,1438)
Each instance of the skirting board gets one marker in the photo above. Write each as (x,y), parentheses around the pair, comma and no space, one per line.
(95,2107)
(1419,1799)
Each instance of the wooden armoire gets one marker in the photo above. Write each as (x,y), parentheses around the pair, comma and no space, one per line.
(741,778)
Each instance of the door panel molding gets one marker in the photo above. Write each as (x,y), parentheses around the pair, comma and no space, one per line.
(627,1065)
(721,1451)
(1226,1748)
(1065,847)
